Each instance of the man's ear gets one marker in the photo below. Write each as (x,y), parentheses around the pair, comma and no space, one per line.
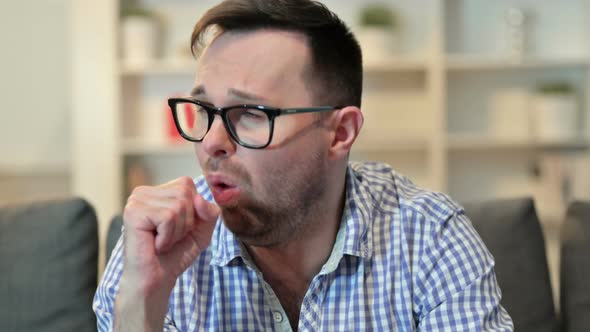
(346,125)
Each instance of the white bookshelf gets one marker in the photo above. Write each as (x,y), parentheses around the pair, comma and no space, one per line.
(427,107)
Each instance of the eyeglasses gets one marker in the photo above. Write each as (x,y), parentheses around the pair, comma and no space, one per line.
(250,126)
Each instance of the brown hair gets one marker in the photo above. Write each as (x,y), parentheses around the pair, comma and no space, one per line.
(336,60)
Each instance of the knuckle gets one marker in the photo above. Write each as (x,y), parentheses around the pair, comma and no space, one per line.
(169,215)
(130,215)
(140,189)
(186,193)
(178,207)
(186,181)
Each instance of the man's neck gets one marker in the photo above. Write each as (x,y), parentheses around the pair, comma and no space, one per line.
(290,267)
(303,254)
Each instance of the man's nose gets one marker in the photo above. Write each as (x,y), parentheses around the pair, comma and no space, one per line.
(217,142)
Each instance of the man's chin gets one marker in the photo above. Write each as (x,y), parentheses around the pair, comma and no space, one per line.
(235,220)
(244,225)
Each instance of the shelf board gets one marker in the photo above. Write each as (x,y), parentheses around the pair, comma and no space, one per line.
(34,170)
(478,62)
(137,147)
(396,64)
(482,142)
(160,67)
(393,144)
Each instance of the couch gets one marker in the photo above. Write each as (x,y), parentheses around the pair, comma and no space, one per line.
(512,232)
(48,259)
(575,269)
(48,266)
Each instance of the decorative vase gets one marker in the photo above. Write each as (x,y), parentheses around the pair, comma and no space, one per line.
(555,117)
(139,40)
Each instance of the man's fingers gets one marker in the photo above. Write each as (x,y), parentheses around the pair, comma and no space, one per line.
(165,221)
(170,211)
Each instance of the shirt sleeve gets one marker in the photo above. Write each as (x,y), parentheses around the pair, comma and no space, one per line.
(104,298)
(456,284)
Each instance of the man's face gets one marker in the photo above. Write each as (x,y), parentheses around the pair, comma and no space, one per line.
(265,195)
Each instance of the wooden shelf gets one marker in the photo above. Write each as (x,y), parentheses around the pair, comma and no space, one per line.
(395,63)
(138,147)
(479,62)
(482,142)
(393,144)
(160,67)
(34,170)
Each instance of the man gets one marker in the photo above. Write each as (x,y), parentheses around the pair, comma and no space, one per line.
(282,232)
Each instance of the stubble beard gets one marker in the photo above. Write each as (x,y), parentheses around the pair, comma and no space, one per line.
(291,201)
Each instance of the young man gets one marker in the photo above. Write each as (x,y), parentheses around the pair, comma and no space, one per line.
(282,232)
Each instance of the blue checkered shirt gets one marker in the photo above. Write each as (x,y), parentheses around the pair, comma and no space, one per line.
(404,259)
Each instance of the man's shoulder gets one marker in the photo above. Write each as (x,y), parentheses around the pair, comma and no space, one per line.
(391,190)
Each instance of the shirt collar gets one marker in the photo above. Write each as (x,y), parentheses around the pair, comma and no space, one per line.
(354,237)
(224,246)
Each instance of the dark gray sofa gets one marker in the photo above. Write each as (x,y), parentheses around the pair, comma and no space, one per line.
(512,232)
(575,268)
(48,266)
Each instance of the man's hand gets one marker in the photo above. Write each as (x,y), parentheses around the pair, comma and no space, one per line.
(166,228)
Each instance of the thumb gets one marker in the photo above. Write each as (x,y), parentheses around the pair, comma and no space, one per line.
(205,220)
(204,210)
(181,256)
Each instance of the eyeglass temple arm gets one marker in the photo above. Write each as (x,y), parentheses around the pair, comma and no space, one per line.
(308,110)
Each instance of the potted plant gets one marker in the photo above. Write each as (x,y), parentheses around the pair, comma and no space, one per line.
(555,112)
(378,34)
(138,32)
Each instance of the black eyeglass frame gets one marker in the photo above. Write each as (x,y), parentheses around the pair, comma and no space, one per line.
(271,112)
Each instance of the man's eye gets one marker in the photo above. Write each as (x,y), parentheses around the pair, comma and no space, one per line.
(253,114)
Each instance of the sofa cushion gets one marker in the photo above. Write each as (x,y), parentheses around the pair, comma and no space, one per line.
(48,266)
(575,268)
(512,232)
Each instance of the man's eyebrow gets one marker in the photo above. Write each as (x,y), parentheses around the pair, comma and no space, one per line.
(247,96)
(239,94)
(198,90)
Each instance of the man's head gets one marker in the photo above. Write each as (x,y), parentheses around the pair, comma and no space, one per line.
(281,54)
(334,74)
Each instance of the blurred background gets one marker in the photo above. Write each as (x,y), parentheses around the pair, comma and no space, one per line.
(479,99)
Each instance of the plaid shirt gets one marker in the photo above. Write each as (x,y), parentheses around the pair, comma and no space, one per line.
(404,259)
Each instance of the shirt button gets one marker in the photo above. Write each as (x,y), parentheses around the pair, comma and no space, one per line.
(278,317)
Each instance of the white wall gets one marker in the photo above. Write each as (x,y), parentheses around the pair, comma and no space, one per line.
(35,97)
(34,127)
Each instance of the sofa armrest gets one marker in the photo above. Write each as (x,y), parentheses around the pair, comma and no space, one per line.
(113,235)
(48,264)
(575,268)
(512,232)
